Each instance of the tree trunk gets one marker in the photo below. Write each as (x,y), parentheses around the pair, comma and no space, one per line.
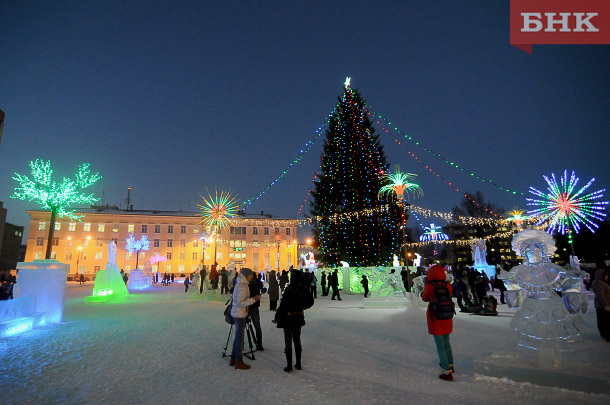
(137,258)
(51,230)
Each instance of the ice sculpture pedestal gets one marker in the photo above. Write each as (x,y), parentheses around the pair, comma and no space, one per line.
(40,294)
(572,370)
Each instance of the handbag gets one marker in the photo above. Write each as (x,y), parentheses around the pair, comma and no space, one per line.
(228,318)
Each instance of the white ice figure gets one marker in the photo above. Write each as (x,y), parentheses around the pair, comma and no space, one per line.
(479,252)
(417,261)
(543,315)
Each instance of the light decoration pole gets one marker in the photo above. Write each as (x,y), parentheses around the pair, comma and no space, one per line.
(217,212)
(54,196)
(398,183)
(433,233)
(134,245)
(78,258)
(566,209)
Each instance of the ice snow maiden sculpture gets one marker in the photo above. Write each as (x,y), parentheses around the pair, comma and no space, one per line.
(543,316)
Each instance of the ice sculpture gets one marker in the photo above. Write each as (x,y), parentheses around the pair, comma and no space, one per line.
(108,283)
(479,256)
(543,316)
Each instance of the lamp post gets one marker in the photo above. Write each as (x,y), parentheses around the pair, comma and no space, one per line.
(78,257)
(278,238)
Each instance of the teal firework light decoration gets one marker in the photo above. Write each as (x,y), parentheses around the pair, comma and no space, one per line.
(400,183)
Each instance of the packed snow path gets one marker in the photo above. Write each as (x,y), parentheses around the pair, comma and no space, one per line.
(164,346)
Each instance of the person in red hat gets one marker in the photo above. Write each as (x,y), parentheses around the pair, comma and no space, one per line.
(440,321)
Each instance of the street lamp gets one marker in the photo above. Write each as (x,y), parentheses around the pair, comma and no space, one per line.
(78,257)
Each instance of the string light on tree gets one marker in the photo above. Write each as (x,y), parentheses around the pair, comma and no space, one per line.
(564,208)
(55,196)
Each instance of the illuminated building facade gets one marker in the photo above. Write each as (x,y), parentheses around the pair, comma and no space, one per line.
(258,242)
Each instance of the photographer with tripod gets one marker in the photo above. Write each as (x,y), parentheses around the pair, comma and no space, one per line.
(239,312)
(256,289)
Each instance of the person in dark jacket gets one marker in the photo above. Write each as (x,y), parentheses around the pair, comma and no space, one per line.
(274,291)
(334,284)
(283,280)
(323,284)
(461,293)
(187,281)
(601,289)
(365,285)
(290,316)
(404,274)
(224,281)
(502,288)
(439,328)
(256,288)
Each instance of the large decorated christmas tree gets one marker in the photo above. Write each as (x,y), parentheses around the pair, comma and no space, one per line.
(355,224)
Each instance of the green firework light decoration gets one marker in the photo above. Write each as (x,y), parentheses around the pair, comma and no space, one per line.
(400,183)
(218,210)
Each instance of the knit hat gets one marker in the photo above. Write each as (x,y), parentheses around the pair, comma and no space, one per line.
(246,272)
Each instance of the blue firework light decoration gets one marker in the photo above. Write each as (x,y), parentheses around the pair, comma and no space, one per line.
(433,233)
(566,209)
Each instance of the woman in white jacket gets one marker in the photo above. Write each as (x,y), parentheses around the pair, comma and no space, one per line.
(239,312)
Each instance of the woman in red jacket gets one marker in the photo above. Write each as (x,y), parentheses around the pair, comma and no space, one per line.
(439,328)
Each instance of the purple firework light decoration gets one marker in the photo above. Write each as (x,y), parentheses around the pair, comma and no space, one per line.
(564,208)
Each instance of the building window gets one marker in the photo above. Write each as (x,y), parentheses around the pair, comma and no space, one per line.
(155,242)
(68,255)
(96,268)
(54,255)
(182,255)
(267,260)
(255,230)
(168,268)
(83,255)
(168,255)
(40,241)
(182,242)
(55,241)
(115,227)
(130,228)
(255,261)
(115,240)
(181,268)
(70,243)
(183,229)
(101,227)
(195,256)
(170,243)
(157,228)
(98,255)
(99,242)
(287,231)
(128,255)
(127,268)
(196,243)
(170,229)
(87,227)
(144,228)
(195,230)
(266,231)
(277,231)
(142,255)
(42,226)
(218,257)
(288,258)
(72,226)
(37,255)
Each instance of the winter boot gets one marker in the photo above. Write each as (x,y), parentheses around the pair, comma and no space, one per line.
(297,353)
(240,365)
(232,362)
(288,353)
(446,375)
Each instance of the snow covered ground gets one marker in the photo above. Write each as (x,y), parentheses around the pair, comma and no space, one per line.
(164,346)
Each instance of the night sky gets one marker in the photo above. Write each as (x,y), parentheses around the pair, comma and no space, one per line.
(173,98)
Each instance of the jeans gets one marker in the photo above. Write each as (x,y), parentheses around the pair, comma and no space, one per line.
(445,354)
(256,321)
(238,342)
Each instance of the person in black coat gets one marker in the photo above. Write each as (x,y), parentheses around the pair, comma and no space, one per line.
(365,285)
(461,292)
(256,289)
(290,316)
(334,284)
(323,284)
(202,273)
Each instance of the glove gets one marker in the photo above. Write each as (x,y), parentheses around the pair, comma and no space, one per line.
(607,308)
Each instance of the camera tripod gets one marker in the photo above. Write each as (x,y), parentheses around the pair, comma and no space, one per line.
(251,336)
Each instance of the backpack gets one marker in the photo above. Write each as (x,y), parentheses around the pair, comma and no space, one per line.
(441,305)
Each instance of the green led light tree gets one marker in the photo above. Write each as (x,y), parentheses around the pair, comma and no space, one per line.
(55,196)
(351,176)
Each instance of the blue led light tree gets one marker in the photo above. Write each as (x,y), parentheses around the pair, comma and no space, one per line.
(134,245)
